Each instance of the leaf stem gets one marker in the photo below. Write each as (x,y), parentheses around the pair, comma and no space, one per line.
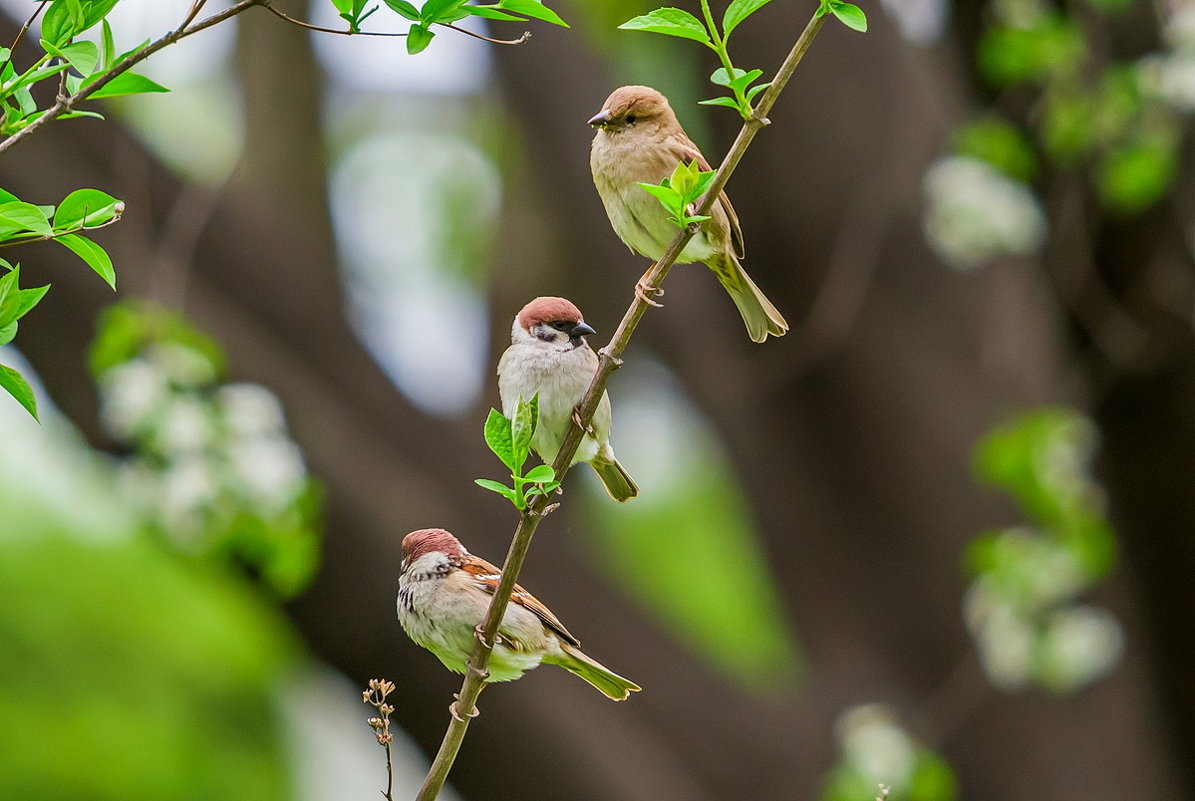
(465,708)
(720,48)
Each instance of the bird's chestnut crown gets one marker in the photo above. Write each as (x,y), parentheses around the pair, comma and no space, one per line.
(430,540)
(547,318)
(632,105)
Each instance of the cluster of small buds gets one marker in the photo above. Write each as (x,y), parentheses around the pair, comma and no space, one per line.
(883,796)
(375,696)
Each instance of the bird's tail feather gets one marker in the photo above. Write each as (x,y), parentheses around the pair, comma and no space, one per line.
(761,317)
(607,681)
(615,478)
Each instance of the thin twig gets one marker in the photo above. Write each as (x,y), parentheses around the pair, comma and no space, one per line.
(41,5)
(465,708)
(65,105)
(526,35)
(287,17)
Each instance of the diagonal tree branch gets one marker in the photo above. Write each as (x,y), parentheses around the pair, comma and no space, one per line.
(465,707)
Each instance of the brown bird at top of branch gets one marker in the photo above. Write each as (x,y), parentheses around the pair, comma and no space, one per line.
(639,139)
(549,356)
(443,593)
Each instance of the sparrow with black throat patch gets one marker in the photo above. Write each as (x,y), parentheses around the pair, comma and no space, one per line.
(443,594)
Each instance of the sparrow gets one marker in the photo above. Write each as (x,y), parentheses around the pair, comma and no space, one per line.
(639,139)
(443,594)
(548,355)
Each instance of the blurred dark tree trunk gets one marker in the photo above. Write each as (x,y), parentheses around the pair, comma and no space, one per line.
(853,432)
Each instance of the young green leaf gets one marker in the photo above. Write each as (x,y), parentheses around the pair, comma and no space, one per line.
(418,39)
(495,486)
(665,194)
(128,83)
(19,388)
(95,256)
(738,11)
(82,207)
(670,22)
(404,9)
(498,437)
(533,9)
(8,333)
(540,474)
(850,15)
(83,56)
(759,87)
(719,101)
(522,427)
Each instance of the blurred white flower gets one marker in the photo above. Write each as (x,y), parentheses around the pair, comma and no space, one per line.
(1005,640)
(920,21)
(875,745)
(1170,78)
(1080,644)
(186,426)
(975,213)
(251,410)
(1179,28)
(183,365)
(188,487)
(268,471)
(130,395)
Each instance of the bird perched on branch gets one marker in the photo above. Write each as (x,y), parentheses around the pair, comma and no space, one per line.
(639,139)
(443,594)
(548,355)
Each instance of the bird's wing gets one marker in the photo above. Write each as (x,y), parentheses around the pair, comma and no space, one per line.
(690,153)
(487,576)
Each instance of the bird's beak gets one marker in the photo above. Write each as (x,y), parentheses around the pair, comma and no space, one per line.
(580,330)
(601,119)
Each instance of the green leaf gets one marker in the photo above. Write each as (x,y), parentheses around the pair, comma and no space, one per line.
(533,9)
(14,301)
(19,388)
(522,427)
(107,48)
(8,333)
(95,256)
(754,90)
(83,56)
(96,10)
(498,438)
(404,9)
(418,39)
(719,101)
(851,16)
(738,11)
(85,207)
(62,21)
(128,83)
(25,217)
(665,194)
(492,12)
(670,22)
(495,486)
(434,10)
(541,474)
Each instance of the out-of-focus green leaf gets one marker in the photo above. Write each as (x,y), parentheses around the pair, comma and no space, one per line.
(1009,55)
(735,622)
(1138,174)
(999,143)
(125,329)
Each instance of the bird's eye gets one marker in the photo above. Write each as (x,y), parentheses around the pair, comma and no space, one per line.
(630,118)
(561,325)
